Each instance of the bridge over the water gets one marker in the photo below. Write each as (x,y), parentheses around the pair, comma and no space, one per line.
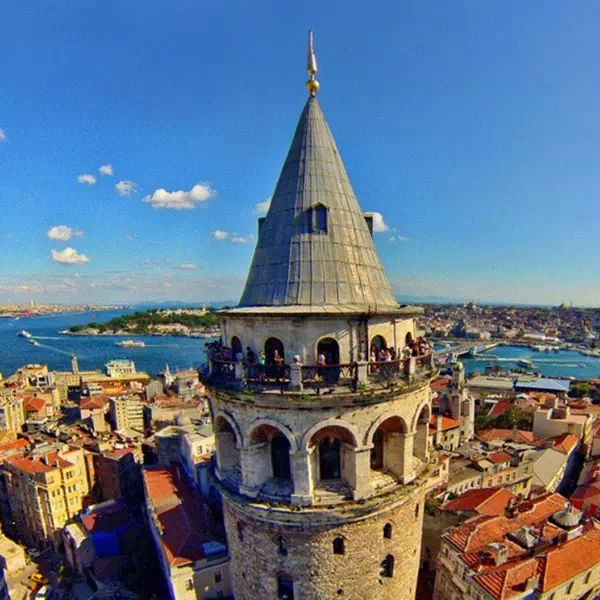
(463,348)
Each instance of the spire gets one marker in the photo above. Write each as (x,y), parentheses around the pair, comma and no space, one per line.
(312,85)
(314,247)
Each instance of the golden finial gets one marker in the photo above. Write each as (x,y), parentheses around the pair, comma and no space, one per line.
(312,85)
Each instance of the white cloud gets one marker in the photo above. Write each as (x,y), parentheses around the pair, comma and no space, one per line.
(126,188)
(398,238)
(261,208)
(188,266)
(63,233)
(87,178)
(180,199)
(379,225)
(69,256)
(234,238)
(106,170)
(3,135)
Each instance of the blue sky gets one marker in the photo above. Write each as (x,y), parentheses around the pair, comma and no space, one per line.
(472,127)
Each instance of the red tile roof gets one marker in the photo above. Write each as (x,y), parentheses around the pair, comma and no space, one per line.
(30,465)
(181,516)
(92,403)
(440,384)
(500,407)
(569,559)
(507,435)
(34,404)
(447,423)
(565,443)
(499,457)
(486,501)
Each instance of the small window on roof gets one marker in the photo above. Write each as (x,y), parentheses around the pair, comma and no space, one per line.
(319,218)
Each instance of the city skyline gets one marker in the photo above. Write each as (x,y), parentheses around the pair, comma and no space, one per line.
(137,149)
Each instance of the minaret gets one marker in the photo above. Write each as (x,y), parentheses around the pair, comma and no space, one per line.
(322,454)
(74,365)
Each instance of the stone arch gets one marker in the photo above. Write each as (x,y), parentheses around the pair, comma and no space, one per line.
(227,444)
(368,439)
(232,422)
(390,445)
(236,346)
(284,429)
(332,446)
(408,339)
(421,428)
(425,403)
(269,447)
(330,423)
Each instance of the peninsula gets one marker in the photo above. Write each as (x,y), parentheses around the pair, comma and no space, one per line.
(193,322)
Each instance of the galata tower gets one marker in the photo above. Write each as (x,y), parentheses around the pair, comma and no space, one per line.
(320,410)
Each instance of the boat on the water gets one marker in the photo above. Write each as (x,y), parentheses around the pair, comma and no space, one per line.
(523,362)
(33,342)
(24,334)
(131,344)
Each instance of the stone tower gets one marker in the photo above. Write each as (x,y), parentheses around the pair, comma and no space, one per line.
(461,403)
(321,453)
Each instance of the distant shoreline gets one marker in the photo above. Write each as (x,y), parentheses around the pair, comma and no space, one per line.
(136,335)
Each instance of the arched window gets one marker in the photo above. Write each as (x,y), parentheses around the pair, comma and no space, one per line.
(408,339)
(387,531)
(387,566)
(319,219)
(378,342)
(236,346)
(339,546)
(329,348)
(285,587)
(416,511)
(283,546)
(274,350)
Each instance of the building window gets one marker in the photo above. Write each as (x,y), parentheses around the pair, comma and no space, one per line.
(240,528)
(285,587)
(218,577)
(339,546)
(387,531)
(570,588)
(417,511)
(320,218)
(587,577)
(189,585)
(387,566)
(283,546)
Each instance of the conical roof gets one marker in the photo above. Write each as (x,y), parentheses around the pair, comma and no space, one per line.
(314,247)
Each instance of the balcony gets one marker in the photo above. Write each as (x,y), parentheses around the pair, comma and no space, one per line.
(316,379)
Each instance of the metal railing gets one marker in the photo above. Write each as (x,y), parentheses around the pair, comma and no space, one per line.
(388,370)
(257,373)
(223,371)
(318,376)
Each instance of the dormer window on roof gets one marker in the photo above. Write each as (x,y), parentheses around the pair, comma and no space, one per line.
(318,218)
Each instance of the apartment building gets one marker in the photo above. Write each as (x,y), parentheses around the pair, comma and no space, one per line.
(12,414)
(45,490)
(126,413)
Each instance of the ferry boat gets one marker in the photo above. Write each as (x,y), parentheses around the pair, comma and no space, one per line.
(130,344)
(33,342)
(24,334)
(523,362)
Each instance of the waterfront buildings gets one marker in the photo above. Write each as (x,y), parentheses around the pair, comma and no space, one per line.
(322,453)
(120,368)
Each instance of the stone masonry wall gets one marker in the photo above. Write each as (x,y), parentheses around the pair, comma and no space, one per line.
(317,572)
